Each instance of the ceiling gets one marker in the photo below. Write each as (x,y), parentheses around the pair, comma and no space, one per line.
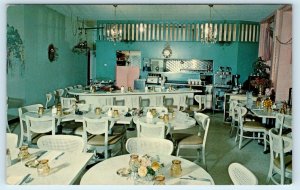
(156,12)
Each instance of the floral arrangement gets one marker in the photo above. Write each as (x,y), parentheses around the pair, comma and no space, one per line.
(146,166)
(260,82)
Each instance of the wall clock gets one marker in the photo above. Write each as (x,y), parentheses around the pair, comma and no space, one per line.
(167,51)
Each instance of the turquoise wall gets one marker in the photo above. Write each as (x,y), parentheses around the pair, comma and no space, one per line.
(40,26)
(223,55)
(247,55)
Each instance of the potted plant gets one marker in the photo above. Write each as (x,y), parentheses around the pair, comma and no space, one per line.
(261,81)
(260,68)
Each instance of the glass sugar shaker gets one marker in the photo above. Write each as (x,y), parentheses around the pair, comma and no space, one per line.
(176,168)
(159,180)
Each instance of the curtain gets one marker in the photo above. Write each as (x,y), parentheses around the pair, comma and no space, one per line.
(265,41)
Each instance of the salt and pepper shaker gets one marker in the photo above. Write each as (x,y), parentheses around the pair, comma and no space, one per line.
(149,114)
(109,113)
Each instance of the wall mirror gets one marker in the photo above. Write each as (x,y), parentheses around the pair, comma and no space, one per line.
(128,58)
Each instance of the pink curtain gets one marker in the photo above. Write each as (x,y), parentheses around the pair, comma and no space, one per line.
(125,75)
(265,41)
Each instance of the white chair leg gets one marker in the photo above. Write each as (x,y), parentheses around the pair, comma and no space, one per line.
(265,142)
(177,152)
(106,153)
(241,139)
(282,177)
(7,128)
(270,173)
(203,158)
(237,134)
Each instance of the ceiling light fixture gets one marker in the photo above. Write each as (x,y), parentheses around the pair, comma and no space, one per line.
(114,34)
(210,36)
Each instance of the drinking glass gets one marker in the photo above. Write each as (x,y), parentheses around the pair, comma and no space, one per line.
(43,168)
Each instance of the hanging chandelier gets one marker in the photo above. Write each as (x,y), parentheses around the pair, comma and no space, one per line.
(114,34)
(210,36)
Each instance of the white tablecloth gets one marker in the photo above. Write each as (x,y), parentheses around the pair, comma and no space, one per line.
(105,173)
(64,171)
(178,122)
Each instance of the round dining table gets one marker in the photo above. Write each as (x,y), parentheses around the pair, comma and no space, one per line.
(105,173)
(177,121)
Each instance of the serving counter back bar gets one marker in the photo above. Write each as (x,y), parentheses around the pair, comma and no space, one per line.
(181,97)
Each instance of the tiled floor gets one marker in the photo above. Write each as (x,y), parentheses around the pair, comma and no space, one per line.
(221,150)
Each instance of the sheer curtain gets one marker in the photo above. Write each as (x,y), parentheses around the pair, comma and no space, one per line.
(265,41)
(275,47)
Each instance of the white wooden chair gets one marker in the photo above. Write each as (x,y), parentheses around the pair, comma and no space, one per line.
(67,89)
(11,140)
(49,99)
(68,143)
(201,100)
(79,86)
(157,130)
(119,101)
(39,125)
(234,118)
(151,146)
(83,108)
(22,110)
(144,102)
(240,175)
(60,92)
(67,103)
(287,123)
(279,162)
(197,142)
(169,102)
(252,127)
(283,121)
(99,139)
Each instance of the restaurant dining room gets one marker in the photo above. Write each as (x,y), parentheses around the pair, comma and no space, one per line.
(180,95)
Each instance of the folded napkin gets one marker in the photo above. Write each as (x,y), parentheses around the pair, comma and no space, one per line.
(15,180)
(51,155)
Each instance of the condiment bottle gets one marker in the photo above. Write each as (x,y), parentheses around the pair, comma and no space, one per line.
(176,168)
(43,168)
(109,113)
(134,162)
(159,180)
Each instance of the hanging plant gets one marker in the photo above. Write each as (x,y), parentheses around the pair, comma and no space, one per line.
(52,53)
(15,47)
(80,48)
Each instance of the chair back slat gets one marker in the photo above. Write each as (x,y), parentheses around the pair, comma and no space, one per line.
(68,143)
(240,175)
(151,146)
(95,126)
(151,130)
(40,124)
